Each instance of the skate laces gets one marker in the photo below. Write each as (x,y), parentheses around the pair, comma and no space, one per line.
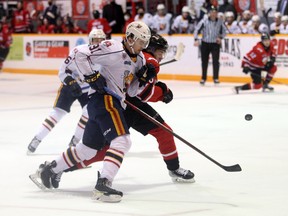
(181,171)
(57,176)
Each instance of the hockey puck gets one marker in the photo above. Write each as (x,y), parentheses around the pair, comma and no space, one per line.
(248,117)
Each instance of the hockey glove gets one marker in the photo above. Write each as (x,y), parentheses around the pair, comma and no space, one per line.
(167,93)
(270,64)
(74,87)
(145,73)
(96,82)
(246,70)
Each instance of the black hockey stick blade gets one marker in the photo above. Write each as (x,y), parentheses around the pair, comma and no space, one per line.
(233,168)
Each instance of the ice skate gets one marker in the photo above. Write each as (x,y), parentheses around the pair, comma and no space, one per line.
(73,142)
(36,179)
(216,82)
(267,87)
(104,193)
(55,179)
(33,145)
(236,89)
(202,82)
(182,175)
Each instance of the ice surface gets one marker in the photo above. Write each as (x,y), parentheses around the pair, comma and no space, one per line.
(211,118)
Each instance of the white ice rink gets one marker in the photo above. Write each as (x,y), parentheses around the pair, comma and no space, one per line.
(211,118)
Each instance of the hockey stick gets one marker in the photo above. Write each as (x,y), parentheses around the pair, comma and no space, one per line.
(179,52)
(265,13)
(233,168)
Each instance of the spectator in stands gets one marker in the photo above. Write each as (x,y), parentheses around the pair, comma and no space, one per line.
(162,20)
(99,23)
(46,27)
(115,16)
(226,6)
(205,8)
(257,27)
(77,29)
(221,16)
(51,12)
(275,26)
(282,7)
(59,27)
(231,24)
(5,42)
(284,25)
(184,23)
(21,19)
(246,22)
(68,23)
(128,19)
(2,11)
(147,18)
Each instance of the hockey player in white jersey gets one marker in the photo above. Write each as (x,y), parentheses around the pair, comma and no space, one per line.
(257,27)
(72,88)
(184,23)
(275,26)
(284,25)
(162,20)
(231,24)
(246,22)
(122,69)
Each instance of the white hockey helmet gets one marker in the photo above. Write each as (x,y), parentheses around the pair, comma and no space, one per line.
(255,18)
(160,7)
(246,12)
(185,9)
(96,33)
(229,14)
(277,15)
(139,30)
(284,18)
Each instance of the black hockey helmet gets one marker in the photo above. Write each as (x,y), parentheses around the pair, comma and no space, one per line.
(157,42)
(265,36)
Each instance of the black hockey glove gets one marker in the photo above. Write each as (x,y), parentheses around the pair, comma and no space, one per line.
(270,63)
(145,73)
(74,87)
(246,70)
(96,81)
(167,93)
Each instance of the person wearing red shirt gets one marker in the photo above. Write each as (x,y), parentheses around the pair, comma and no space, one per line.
(21,20)
(46,28)
(99,23)
(261,58)
(5,42)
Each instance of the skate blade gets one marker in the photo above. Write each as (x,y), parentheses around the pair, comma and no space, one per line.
(100,196)
(181,180)
(34,178)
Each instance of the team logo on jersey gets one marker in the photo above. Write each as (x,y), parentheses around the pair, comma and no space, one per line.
(127,62)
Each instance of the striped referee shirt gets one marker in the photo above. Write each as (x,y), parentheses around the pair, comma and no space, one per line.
(211,30)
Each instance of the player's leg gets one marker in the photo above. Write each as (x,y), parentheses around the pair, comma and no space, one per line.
(61,107)
(256,82)
(269,77)
(166,144)
(108,113)
(78,134)
(205,51)
(215,61)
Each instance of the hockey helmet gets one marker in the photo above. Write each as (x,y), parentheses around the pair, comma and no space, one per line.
(265,36)
(139,30)
(97,34)
(157,42)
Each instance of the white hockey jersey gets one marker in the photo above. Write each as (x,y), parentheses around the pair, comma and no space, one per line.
(283,29)
(182,26)
(111,60)
(147,19)
(244,26)
(233,28)
(161,24)
(263,28)
(69,68)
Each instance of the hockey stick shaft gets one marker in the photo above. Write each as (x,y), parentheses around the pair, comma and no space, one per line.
(233,168)
(180,50)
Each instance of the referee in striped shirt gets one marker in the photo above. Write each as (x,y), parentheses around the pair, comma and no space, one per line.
(213,31)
